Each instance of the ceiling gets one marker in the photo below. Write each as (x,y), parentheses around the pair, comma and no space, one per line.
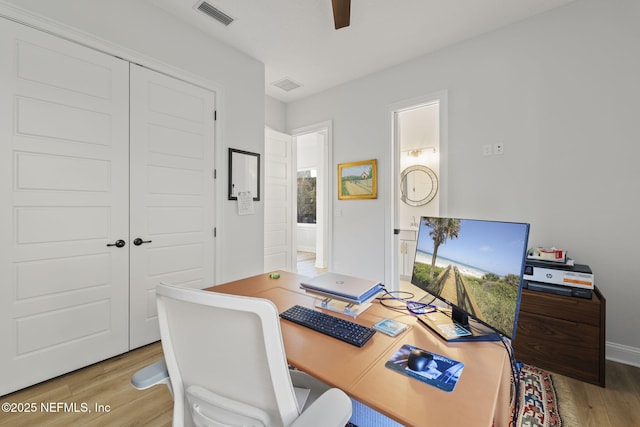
(296,39)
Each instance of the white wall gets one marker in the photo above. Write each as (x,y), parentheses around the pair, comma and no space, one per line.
(306,237)
(133,28)
(561,92)
(275,114)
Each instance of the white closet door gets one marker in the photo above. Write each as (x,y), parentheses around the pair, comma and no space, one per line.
(64,113)
(172,192)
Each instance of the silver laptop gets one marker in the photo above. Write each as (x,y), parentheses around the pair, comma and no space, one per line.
(343,287)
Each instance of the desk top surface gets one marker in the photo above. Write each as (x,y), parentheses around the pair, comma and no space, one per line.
(479,395)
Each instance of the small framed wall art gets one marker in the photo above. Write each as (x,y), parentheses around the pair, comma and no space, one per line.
(358,180)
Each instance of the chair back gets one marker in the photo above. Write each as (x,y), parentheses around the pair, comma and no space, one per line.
(226,359)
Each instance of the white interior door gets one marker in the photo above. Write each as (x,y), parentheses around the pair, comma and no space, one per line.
(278,202)
(64,114)
(172,192)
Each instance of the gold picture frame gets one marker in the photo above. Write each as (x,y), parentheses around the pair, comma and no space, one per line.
(358,180)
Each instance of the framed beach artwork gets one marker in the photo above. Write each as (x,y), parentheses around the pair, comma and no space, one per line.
(358,180)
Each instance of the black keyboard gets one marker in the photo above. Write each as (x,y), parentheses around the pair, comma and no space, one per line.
(335,327)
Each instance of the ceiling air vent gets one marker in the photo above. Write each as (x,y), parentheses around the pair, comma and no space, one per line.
(286,84)
(215,13)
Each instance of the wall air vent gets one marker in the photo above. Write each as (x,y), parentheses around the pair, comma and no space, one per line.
(286,84)
(215,13)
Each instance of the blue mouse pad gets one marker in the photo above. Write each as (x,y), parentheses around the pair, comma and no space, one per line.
(437,371)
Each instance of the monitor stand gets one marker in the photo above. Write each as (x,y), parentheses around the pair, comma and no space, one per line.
(447,326)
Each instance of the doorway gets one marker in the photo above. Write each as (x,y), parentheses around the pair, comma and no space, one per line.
(297,223)
(312,146)
(309,203)
(418,186)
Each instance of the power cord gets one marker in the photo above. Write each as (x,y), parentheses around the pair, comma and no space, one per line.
(389,296)
(515,375)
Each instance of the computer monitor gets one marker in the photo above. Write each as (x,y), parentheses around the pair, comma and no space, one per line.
(475,267)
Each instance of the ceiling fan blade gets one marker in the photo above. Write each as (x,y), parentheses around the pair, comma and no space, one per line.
(341,13)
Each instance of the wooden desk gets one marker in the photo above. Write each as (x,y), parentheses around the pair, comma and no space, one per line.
(480,397)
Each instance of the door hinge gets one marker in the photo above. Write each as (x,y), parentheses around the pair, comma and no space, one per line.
(215,173)
(214,232)
(215,115)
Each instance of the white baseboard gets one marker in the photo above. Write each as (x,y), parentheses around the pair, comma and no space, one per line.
(623,354)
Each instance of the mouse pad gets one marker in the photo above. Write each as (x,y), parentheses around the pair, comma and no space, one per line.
(440,372)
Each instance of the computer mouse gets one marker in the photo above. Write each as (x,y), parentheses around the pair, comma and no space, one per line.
(418,360)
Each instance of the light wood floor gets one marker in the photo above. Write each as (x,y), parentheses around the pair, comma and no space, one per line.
(104,383)
(306,264)
(107,383)
(586,405)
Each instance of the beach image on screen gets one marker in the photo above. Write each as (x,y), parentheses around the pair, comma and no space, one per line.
(474,265)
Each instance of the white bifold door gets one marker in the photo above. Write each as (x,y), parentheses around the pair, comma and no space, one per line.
(172,208)
(86,169)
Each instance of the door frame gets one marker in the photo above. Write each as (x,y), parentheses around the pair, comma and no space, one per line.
(392,170)
(325,215)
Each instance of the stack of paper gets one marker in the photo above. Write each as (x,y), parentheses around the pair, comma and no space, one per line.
(547,254)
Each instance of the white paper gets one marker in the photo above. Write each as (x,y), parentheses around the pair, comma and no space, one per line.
(245,203)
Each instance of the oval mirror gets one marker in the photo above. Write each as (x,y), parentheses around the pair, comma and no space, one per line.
(418,185)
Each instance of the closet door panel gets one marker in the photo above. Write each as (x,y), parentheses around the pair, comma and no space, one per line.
(172,192)
(64,114)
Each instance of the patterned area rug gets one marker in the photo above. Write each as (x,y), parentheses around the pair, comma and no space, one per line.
(538,399)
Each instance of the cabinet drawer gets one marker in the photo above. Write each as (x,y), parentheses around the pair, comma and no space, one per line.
(561,346)
(580,310)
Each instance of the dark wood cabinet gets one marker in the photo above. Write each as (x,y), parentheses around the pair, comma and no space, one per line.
(563,334)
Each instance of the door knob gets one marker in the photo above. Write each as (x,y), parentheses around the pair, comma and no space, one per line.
(138,241)
(117,244)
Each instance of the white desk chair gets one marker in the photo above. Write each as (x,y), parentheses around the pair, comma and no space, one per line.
(227,367)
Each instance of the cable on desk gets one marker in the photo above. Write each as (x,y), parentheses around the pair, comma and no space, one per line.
(515,375)
(389,296)
(406,303)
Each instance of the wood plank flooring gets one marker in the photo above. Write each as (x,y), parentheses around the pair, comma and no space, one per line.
(306,264)
(587,405)
(106,385)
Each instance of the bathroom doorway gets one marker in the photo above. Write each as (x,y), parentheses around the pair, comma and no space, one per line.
(419,176)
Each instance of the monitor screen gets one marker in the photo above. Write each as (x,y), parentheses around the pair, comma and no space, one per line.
(475,266)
